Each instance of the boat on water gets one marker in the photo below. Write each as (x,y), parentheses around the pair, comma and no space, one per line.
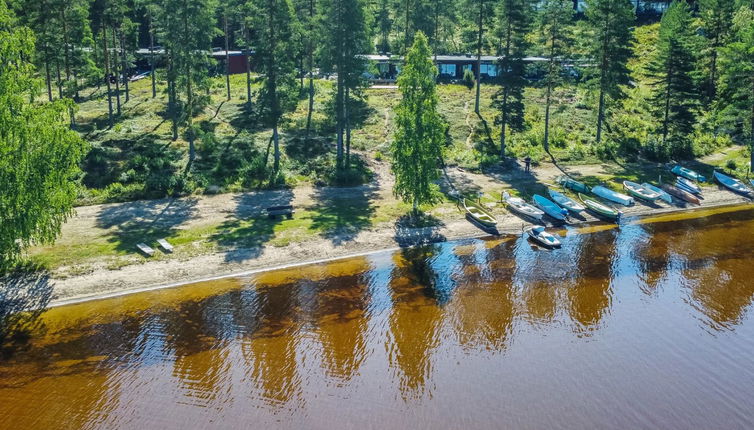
(613,196)
(517,204)
(681,194)
(572,184)
(479,214)
(538,234)
(550,208)
(663,195)
(600,208)
(640,191)
(565,201)
(731,183)
(688,185)
(679,170)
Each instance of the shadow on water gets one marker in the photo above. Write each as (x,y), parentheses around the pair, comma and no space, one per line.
(248,229)
(23,298)
(144,221)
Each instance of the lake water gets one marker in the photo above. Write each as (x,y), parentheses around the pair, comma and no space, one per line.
(644,326)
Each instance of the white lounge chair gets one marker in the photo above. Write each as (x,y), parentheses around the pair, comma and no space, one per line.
(146,249)
(167,247)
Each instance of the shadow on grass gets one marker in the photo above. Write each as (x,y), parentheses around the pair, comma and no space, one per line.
(144,221)
(247,231)
(341,213)
(24,295)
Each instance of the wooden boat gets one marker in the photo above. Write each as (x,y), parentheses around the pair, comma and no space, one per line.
(550,208)
(663,195)
(599,208)
(640,192)
(565,201)
(679,170)
(681,194)
(518,205)
(572,184)
(538,234)
(731,183)
(613,196)
(479,214)
(687,185)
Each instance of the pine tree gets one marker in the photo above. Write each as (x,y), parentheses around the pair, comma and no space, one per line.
(717,19)
(274,22)
(675,96)
(611,21)
(735,106)
(513,23)
(417,144)
(554,17)
(39,155)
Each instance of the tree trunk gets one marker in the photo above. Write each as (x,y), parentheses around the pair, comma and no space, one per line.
(172,95)
(310,49)
(227,54)
(406,41)
(603,78)
(117,78)
(248,68)
(506,90)
(47,75)
(666,117)
(189,103)
(151,57)
(107,77)
(347,113)
(124,67)
(479,57)
(60,79)
(751,135)
(276,142)
(550,72)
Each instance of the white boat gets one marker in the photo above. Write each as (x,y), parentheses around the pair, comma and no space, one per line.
(538,234)
(518,205)
(663,195)
(731,183)
(566,202)
(550,208)
(640,192)
(613,196)
(688,185)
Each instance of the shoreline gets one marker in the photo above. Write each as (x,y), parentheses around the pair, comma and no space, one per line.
(455,230)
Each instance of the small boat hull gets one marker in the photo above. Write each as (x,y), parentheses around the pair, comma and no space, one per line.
(599,208)
(688,185)
(732,183)
(663,195)
(572,184)
(640,192)
(550,208)
(519,206)
(615,197)
(681,194)
(539,235)
(479,214)
(679,170)
(565,202)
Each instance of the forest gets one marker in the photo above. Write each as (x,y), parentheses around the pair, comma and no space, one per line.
(151,106)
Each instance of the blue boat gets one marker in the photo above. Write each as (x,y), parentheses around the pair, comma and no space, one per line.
(565,201)
(663,195)
(679,170)
(550,208)
(687,185)
(732,184)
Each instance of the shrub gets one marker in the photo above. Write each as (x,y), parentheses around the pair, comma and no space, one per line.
(468,78)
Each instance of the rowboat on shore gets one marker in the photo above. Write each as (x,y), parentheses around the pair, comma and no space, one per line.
(538,234)
(518,205)
(600,208)
(688,185)
(679,170)
(572,184)
(565,201)
(613,196)
(681,194)
(550,208)
(478,213)
(731,183)
(640,191)
(663,195)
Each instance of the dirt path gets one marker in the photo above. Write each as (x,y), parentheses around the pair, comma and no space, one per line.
(95,221)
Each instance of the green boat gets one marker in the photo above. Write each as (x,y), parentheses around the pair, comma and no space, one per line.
(572,184)
(479,214)
(599,208)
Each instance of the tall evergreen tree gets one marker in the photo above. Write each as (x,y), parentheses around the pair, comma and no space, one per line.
(39,155)
(514,20)
(274,22)
(417,144)
(187,29)
(675,96)
(611,21)
(345,39)
(717,19)
(555,15)
(736,104)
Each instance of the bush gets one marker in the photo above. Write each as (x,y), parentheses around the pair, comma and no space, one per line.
(468,78)
(731,165)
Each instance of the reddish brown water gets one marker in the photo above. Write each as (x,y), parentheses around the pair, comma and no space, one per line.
(646,326)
